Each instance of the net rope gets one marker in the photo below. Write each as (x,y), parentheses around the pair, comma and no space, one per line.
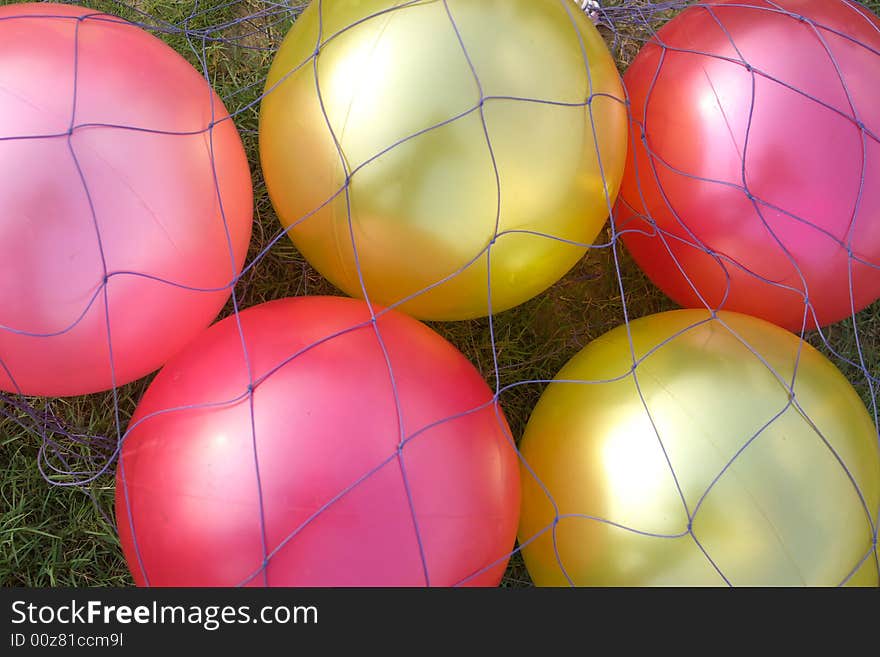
(75,456)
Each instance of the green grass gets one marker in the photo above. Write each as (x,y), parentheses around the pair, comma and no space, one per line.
(53,536)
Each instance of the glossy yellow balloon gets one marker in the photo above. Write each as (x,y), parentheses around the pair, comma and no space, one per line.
(775,498)
(403,100)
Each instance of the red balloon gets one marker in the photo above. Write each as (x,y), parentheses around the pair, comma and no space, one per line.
(106,171)
(342,504)
(754,149)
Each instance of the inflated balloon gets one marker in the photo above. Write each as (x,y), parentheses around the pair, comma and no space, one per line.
(755,153)
(700,469)
(363,479)
(417,135)
(106,173)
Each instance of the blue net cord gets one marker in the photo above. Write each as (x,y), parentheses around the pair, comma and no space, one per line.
(76,457)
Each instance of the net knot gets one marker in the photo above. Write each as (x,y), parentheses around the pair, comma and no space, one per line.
(593,9)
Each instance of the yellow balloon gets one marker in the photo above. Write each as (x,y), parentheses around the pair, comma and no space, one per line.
(700,468)
(430,142)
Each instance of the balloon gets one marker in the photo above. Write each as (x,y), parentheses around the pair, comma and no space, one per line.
(754,168)
(106,174)
(392,107)
(343,503)
(722,480)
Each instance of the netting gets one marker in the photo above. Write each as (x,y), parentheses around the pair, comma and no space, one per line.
(75,442)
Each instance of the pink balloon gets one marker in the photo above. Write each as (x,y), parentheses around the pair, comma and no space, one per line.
(106,170)
(753,177)
(355,490)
